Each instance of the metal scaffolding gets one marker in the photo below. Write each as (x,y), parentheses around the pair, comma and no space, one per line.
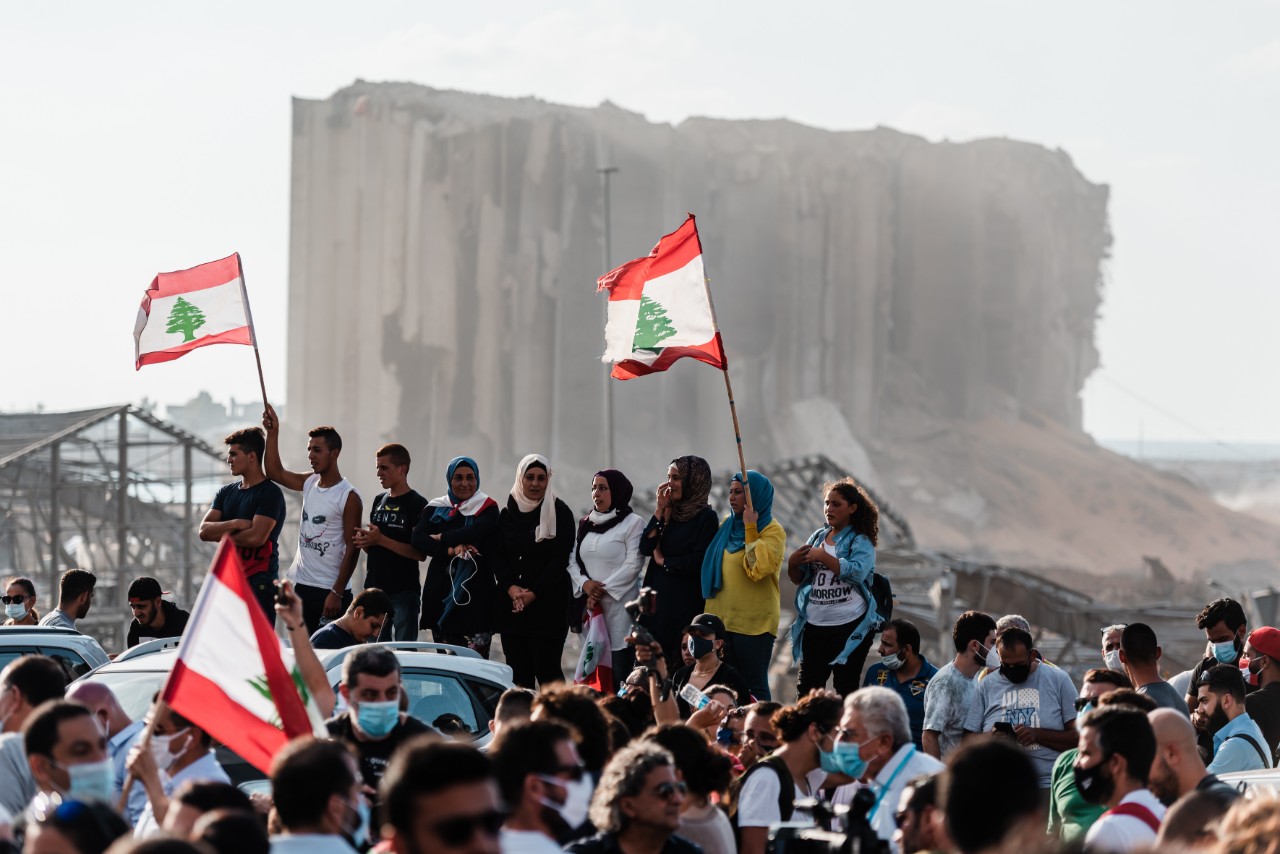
(113,491)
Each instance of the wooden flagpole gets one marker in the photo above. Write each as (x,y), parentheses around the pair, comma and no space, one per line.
(253,333)
(728,387)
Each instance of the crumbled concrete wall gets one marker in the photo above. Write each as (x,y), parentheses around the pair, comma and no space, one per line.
(444,249)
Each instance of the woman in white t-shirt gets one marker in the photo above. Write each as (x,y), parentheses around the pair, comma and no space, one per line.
(807,731)
(836,615)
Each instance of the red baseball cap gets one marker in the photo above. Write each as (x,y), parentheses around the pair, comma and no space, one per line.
(1266,640)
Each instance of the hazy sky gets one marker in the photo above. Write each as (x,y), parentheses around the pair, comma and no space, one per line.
(140,137)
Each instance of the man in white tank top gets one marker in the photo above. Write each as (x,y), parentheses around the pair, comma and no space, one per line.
(331,513)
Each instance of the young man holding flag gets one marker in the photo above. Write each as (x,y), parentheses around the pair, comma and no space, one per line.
(331,513)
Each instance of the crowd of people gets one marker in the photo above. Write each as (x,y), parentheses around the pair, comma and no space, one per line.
(996,749)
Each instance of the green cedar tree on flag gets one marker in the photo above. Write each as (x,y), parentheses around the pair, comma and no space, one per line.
(659,309)
(192,308)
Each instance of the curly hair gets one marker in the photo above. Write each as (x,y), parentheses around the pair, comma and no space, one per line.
(818,707)
(705,769)
(866,515)
(624,777)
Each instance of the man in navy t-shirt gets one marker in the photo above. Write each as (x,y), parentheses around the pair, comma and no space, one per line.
(392,562)
(251,511)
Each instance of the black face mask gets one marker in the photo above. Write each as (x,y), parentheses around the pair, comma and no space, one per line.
(700,646)
(1015,673)
(1094,784)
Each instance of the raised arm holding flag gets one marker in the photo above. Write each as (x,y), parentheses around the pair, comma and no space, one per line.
(660,310)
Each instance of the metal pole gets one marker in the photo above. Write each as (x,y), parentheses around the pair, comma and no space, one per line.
(605,173)
(122,519)
(55,526)
(186,525)
(253,333)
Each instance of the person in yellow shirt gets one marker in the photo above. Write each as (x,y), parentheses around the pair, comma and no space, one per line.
(740,579)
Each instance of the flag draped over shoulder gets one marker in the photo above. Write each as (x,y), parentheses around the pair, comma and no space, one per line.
(192,308)
(230,678)
(659,310)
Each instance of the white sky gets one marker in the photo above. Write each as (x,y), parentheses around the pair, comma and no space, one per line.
(139,137)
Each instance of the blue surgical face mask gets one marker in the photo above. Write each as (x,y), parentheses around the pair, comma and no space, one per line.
(844,758)
(1226,651)
(91,781)
(15,611)
(359,834)
(376,720)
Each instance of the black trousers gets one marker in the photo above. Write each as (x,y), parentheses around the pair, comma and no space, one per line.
(819,646)
(534,658)
(313,604)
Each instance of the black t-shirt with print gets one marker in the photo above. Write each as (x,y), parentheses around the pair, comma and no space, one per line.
(264,499)
(395,518)
(374,755)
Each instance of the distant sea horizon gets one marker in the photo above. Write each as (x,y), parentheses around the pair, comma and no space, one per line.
(1192,450)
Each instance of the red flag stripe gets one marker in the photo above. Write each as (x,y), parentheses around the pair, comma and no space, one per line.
(231,336)
(712,353)
(230,571)
(196,278)
(202,701)
(673,251)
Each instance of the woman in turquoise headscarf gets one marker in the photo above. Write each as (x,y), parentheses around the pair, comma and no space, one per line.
(740,579)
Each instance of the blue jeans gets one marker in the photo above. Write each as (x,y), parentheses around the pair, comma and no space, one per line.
(404,617)
(751,655)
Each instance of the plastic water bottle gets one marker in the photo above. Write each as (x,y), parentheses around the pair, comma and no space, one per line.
(695,698)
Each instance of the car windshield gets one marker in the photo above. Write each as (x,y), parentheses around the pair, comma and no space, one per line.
(133,688)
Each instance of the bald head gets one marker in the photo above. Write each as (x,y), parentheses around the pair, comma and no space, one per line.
(102,701)
(1172,728)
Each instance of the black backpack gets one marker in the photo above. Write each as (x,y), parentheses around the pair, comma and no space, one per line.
(786,792)
(882,595)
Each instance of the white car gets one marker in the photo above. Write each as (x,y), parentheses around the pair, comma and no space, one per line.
(437,678)
(75,652)
(1254,784)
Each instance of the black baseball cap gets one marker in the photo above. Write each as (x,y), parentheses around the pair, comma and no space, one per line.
(145,589)
(707,624)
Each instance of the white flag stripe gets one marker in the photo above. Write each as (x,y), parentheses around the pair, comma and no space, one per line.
(682,294)
(234,659)
(221,305)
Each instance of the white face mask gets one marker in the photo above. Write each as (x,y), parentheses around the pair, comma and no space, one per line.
(993,658)
(1112,660)
(15,611)
(577,801)
(161,749)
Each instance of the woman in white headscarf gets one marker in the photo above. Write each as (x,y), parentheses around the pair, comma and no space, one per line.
(536,531)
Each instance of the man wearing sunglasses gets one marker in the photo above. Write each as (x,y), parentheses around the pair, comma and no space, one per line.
(440,798)
(543,783)
(638,805)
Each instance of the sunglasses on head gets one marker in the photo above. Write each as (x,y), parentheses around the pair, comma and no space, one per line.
(14,600)
(458,831)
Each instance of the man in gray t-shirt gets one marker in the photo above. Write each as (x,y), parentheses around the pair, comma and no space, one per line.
(1033,702)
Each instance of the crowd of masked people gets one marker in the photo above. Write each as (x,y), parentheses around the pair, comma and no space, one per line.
(996,750)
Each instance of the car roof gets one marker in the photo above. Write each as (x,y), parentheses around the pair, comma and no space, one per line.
(87,645)
(410,656)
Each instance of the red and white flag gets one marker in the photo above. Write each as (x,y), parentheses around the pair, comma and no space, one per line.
(595,661)
(230,678)
(659,309)
(190,309)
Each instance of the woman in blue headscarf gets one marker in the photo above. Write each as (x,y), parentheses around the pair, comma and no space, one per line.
(455,532)
(740,579)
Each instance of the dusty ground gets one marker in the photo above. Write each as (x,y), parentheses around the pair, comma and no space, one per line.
(1034,494)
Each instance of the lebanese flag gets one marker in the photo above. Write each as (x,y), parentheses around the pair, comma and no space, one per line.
(192,308)
(595,661)
(230,678)
(659,309)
